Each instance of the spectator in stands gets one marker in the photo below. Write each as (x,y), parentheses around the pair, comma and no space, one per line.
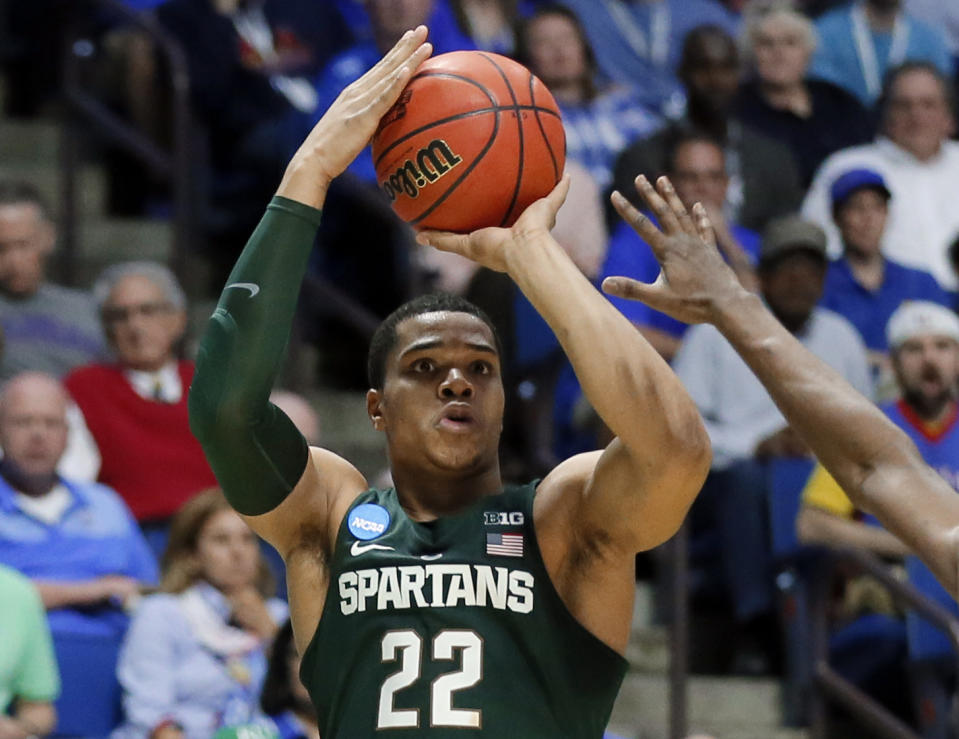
(861,41)
(763,182)
(812,117)
(599,122)
(491,24)
(945,17)
(284,699)
(29,682)
(47,327)
(862,285)
(747,430)
(696,165)
(194,658)
(76,541)
(919,165)
(388,21)
(924,340)
(639,43)
(135,407)
(251,65)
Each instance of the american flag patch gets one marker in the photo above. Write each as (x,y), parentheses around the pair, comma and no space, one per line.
(504,545)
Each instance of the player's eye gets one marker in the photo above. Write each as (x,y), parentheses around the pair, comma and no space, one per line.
(423,365)
(482,368)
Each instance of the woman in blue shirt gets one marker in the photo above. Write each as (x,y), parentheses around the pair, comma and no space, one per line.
(194,658)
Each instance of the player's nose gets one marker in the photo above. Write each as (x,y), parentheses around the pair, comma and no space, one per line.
(455,385)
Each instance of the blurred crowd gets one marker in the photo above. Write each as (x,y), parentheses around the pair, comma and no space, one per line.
(819,136)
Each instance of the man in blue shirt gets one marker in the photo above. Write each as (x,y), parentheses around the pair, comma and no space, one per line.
(76,541)
(862,285)
(859,42)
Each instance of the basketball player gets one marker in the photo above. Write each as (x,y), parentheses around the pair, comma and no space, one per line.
(873,461)
(447,606)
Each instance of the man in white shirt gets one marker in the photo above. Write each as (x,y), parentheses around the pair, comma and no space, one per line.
(920,165)
(746,429)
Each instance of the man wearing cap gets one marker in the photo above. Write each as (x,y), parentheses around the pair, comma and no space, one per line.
(924,342)
(862,285)
(745,428)
(919,164)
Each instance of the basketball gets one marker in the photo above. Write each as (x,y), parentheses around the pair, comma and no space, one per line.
(473,140)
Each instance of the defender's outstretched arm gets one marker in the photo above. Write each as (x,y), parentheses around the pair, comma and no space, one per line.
(874,461)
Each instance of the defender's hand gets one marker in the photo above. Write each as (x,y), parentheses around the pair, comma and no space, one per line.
(693,279)
(494,247)
(350,122)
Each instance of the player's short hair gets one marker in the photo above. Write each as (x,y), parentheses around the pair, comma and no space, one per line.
(384,338)
(21,192)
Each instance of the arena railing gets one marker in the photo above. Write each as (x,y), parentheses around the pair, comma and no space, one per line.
(828,685)
(85,112)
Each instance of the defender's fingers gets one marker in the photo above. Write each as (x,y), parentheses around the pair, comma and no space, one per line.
(655,295)
(640,223)
(668,192)
(668,221)
(704,228)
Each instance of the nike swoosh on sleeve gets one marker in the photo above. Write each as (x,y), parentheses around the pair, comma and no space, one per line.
(251,286)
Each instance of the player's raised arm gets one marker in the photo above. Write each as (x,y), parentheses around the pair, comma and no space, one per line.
(638,492)
(874,461)
(257,454)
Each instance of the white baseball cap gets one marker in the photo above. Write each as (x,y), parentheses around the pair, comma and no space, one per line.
(920,318)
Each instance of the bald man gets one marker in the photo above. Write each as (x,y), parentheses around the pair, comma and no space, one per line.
(76,540)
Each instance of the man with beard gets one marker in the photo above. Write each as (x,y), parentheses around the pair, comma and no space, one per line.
(924,339)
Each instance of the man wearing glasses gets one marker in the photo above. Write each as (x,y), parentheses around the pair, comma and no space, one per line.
(135,406)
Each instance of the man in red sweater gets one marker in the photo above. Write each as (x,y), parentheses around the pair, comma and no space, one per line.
(135,407)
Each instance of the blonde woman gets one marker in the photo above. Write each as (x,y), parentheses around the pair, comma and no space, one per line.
(194,657)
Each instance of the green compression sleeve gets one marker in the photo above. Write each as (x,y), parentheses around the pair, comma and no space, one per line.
(255,451)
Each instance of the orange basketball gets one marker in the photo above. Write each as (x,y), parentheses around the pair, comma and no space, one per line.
(473,139)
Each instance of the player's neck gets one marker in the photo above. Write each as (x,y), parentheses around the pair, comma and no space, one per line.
(425,498)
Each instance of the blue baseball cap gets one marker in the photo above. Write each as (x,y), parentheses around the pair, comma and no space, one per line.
(856,179)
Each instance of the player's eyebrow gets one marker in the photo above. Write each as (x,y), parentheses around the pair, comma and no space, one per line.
(433,343)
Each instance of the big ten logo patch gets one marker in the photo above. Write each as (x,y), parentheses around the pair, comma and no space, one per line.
(503,518)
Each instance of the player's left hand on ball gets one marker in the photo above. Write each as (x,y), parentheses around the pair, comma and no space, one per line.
(693,278)
(349,123)
(494,248)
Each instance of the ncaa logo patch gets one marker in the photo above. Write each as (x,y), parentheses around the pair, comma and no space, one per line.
(368,521)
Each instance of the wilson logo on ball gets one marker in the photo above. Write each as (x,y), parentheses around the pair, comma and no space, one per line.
(429,164)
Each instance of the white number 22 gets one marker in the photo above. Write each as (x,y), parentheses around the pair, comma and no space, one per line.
(407,647)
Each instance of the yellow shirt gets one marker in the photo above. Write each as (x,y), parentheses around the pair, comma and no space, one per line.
(822,491)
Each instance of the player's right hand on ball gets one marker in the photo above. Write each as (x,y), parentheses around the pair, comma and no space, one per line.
(349,123)
(497,248)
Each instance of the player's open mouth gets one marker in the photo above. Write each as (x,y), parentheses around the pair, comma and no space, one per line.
(457,417)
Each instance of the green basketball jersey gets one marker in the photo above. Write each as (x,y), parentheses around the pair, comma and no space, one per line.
(452,628)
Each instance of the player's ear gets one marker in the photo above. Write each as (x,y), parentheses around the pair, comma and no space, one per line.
(374,409)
